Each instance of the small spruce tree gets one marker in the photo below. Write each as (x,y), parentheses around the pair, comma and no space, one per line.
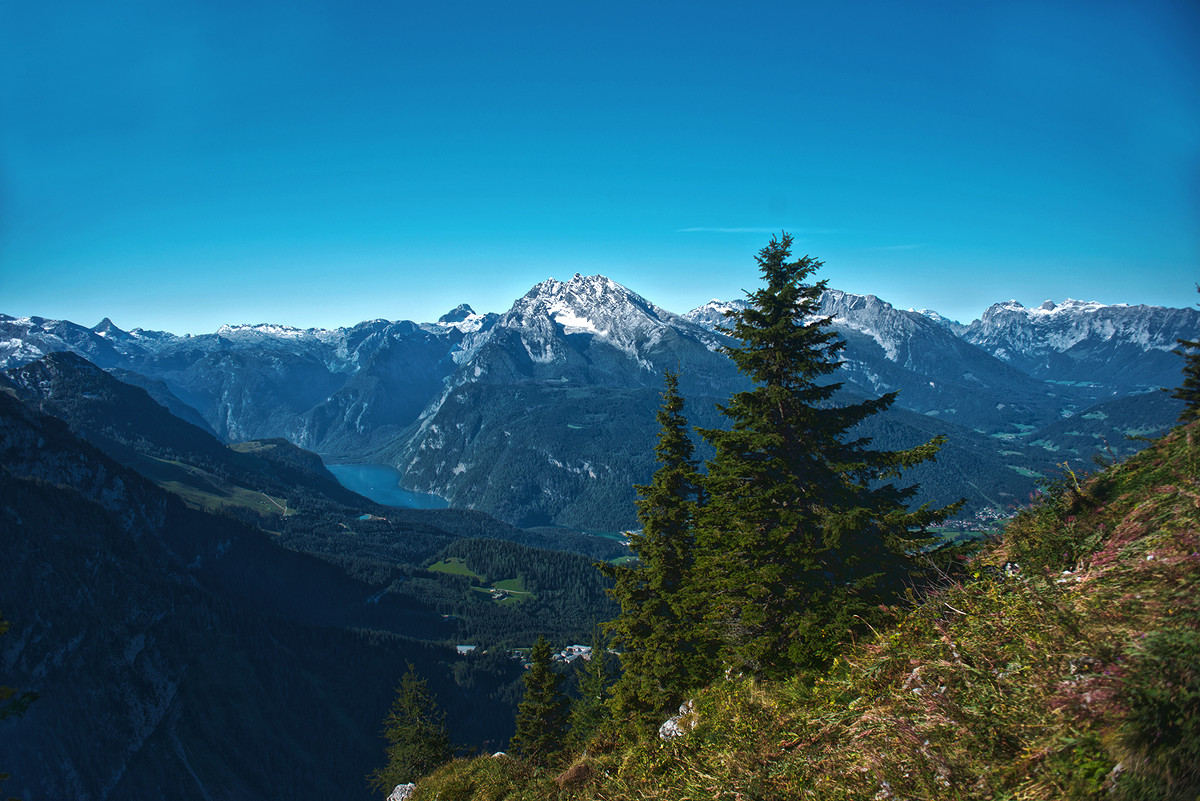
(663,652)
(1189,390)
(415,730)
(589,712)
(542,714)
(803,530)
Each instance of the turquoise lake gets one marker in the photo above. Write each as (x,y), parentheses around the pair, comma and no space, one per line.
(381,483)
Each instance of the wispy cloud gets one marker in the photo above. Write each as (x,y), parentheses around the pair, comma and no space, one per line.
(794,231)
(725,230)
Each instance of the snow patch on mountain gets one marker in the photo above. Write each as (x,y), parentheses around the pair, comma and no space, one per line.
(585,469)
(571,322)
(464,319)
(1011,328)
(713,314)
(593,305)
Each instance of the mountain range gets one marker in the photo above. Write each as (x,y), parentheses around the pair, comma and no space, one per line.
(545,414)
(205,612)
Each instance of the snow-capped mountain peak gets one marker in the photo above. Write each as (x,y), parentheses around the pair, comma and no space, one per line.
(938,318)
(713,313)
(592,304)
(557,320)
(1049,308)
(1064,341)
(465,319)
(107,329)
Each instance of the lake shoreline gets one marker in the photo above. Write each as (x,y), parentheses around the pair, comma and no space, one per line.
(381,484)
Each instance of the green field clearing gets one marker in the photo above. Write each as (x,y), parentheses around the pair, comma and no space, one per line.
(207,491)
(512,585)
(513,589)
(455,566)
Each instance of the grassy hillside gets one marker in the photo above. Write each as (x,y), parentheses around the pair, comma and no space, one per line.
(1064,663)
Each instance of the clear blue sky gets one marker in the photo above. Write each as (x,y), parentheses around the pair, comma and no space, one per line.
(179,165)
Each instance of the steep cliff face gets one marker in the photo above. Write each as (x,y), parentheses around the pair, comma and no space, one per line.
(87,582)
(936,372)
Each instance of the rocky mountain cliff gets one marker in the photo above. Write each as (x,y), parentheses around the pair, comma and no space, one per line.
(549,416)
(1100,351)
(936,372)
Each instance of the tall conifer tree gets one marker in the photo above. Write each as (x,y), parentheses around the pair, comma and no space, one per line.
(800,533)
(662,650)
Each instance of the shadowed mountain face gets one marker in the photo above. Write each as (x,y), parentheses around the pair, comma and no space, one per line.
(178,654)
(126,423)
(545,414)
(181,654)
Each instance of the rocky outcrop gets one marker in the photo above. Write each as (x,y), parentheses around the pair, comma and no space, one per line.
(680,724)
(402,792)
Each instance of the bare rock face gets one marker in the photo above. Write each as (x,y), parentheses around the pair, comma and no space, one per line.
(402,792)
(680,724)
(1119,348)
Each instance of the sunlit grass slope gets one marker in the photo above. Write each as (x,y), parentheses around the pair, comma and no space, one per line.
(1075,675)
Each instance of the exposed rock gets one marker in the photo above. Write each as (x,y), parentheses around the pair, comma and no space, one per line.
(402,792)
(680,724)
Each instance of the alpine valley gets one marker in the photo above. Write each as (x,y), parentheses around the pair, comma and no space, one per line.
(205,612)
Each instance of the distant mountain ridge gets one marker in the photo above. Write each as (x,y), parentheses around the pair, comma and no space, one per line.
(1117,349)
(544,414)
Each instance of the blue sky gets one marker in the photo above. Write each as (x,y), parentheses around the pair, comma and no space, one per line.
(315,163)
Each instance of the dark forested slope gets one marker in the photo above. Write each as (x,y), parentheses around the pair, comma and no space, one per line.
(184,655)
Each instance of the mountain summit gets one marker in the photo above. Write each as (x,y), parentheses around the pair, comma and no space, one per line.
(549,416)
